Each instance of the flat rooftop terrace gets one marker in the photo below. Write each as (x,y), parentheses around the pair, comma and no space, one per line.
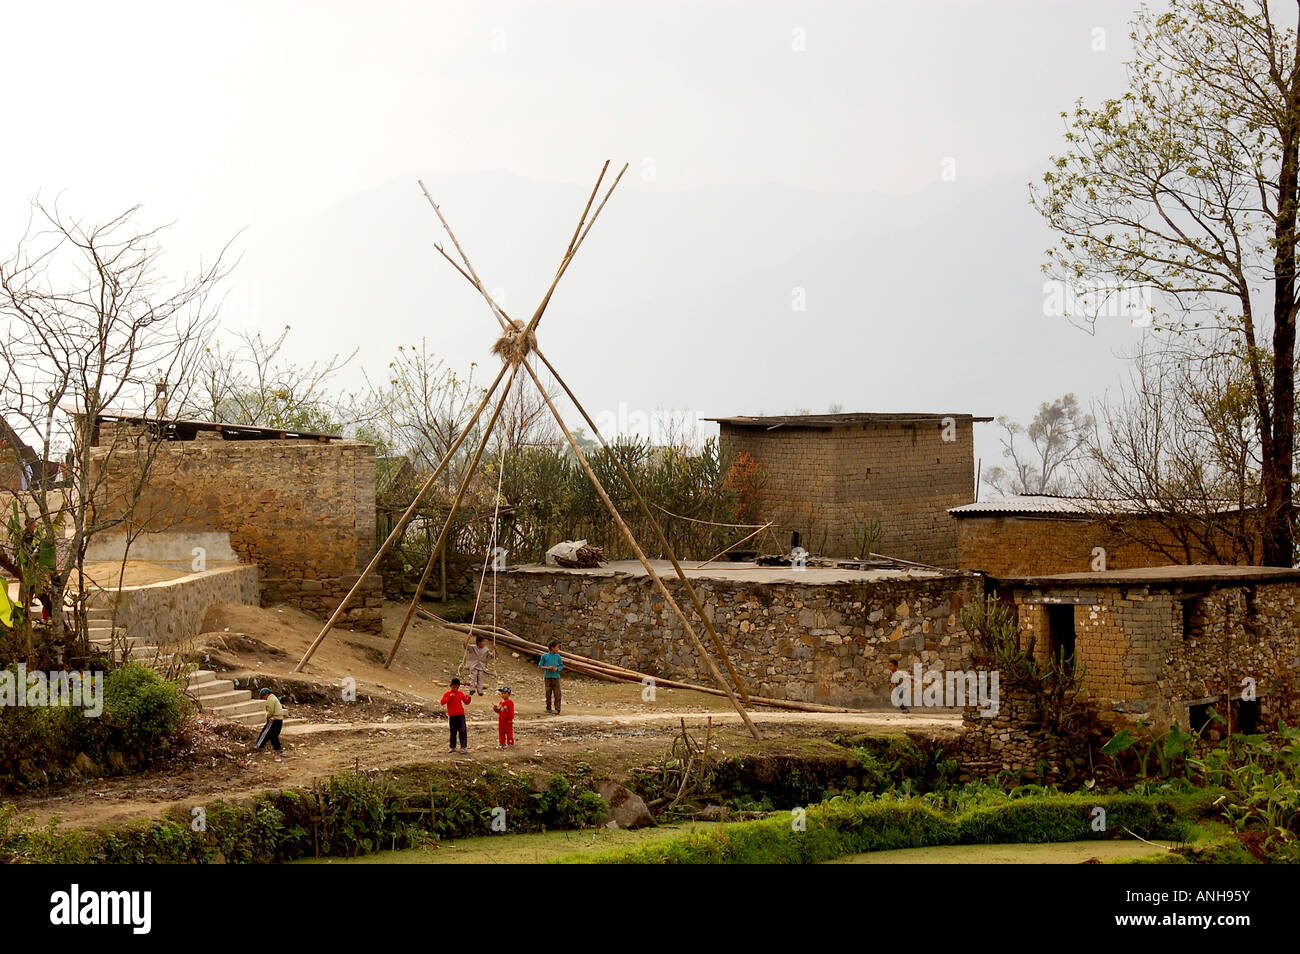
(1155,575)
(745,572)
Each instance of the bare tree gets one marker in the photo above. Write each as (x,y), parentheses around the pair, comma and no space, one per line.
(1055,440)
(88,325)
(1181,451)
(422,408)
(248,380)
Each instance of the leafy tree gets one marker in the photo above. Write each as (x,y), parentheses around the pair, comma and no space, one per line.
(1186,186)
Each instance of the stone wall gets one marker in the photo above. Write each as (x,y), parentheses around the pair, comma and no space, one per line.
(829,483)
(1011,742)
(1150,653)
(172,610)
(816,642)
(302,510)
(1031,546)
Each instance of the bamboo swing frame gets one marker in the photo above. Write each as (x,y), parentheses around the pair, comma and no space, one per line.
(515,347)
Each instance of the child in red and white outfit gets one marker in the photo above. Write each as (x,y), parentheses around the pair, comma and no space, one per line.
(505,710)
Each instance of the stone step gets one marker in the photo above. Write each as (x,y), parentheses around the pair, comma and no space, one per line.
(247,707)
(228,697)
(207,690)
(201,677)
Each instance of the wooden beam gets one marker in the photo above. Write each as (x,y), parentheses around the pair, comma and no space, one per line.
(654,524)
(451,514)
(401,524)
(640,554)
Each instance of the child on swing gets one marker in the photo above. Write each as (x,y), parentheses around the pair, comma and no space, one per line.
(476,659)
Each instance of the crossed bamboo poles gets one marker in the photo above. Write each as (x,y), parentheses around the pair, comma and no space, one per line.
(517,343)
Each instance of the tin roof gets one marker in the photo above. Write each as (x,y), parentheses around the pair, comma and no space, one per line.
(1053,505)
(826,421)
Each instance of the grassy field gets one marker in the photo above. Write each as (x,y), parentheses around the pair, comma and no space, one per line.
(516,849)
(1060,853)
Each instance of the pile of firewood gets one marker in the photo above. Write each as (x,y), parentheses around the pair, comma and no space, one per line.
(576,554)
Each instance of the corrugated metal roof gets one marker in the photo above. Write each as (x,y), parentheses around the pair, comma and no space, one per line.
(841,420)
(1054,505)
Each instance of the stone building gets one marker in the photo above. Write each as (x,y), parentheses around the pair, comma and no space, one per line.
(818,634)
(1035,534)
(842,479)
(299,505)
(1167,643)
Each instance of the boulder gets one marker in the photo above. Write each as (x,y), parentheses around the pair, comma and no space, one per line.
(626,808)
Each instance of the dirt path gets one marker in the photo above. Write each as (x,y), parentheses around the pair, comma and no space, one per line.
(909,722)
(394,721)
(314,750)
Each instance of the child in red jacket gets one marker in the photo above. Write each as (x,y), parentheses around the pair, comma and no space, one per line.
(505,710)
(455,701)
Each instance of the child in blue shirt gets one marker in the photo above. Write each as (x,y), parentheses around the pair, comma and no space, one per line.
(552,665)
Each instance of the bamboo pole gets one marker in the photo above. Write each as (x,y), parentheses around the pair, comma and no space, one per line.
(636,548)
(496,310)
(573,250)
(400,527)
(732,546)
(654,525)
(597,669)
(451,514)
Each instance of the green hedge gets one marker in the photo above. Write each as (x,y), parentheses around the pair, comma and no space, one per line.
(854,825)
(1042,819)
(342,816)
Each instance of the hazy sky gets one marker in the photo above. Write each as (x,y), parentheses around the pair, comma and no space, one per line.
(232,114)
(258,115)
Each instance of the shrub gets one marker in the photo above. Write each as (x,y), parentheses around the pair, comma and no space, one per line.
(142,711)
(40,745)
(1041,819)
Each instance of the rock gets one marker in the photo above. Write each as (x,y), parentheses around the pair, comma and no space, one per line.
(85,766)
(714,813)
(626,808)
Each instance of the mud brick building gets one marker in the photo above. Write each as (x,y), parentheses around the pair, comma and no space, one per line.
(301,506)
(1167,643)
(1035,534)
(832,476)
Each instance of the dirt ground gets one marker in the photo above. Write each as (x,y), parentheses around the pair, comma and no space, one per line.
(395,718)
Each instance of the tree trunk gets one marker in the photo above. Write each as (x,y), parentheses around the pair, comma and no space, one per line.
(1279,544)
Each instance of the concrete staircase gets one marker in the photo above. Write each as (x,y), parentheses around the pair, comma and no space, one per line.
(217,696)
(115,642)
(223,700)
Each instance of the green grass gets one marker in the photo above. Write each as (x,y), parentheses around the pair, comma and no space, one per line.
(1059,853)
(855,825)
(531,848)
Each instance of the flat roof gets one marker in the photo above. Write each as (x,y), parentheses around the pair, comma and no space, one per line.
(181,429)
(744,572)
(826,421)
(1174,573)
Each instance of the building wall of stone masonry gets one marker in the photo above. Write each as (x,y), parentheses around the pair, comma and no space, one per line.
(1141,663)
(828,484)
(827,643)
(303,511)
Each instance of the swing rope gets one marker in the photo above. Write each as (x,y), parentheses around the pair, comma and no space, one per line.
(488,557)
